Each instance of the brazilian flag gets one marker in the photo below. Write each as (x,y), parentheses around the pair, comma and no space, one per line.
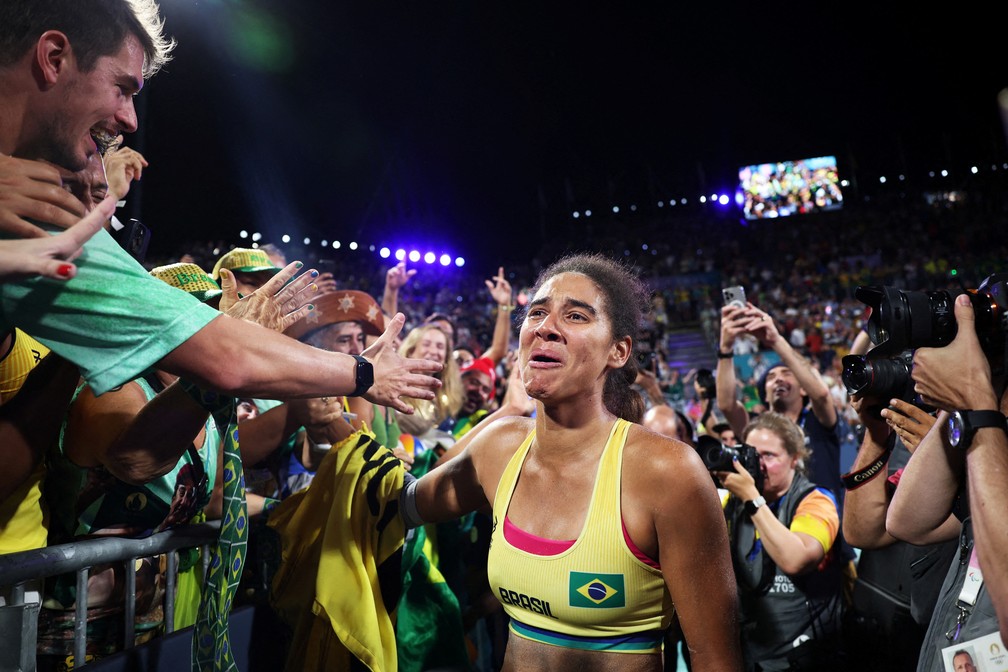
(429,630)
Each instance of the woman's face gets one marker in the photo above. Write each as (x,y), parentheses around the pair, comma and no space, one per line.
(433,345)
(778,465)
(565,344)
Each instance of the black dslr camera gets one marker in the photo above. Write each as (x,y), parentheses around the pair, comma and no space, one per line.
(716,456)
(883,377)
(902,321)
(926,319)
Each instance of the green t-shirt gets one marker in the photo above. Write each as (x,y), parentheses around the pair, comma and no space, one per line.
(113,320)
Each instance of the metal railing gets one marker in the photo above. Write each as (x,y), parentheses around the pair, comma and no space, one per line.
(17,569)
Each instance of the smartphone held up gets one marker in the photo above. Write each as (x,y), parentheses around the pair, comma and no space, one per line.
(734,296)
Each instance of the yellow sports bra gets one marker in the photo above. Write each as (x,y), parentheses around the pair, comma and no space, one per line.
(595,595)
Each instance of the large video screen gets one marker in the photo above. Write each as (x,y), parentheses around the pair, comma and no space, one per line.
(769,190)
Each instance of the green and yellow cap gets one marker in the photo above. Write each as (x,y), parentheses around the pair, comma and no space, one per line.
(189,278)
(244,260)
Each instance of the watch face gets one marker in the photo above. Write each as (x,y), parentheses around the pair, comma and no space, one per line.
(955,429)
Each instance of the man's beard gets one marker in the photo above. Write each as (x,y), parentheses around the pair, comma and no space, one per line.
(56,143)
(470,406)
(779,404)
(55,147)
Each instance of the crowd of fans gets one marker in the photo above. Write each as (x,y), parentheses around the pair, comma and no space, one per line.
(802,270)
(391,416)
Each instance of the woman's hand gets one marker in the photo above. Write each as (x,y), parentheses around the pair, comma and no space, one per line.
(909,422)
(50,255)
(277,304)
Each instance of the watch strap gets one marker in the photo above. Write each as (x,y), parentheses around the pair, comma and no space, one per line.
(363,376)
(974,420)
(753,505)
(978,419)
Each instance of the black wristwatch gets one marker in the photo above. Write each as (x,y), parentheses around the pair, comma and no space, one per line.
(365,376)
(725,355)
(753,505)
(962,425)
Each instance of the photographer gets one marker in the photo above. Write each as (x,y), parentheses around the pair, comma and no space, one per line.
(792,388)
(782,542)
(897,582)
(958,379)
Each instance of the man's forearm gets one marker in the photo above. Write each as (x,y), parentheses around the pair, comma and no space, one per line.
(239,358)
(815,388)
(986,468)
(865,506)
(156,438)
(728,404)
(390,300)
(501,335)
(927,489)
(263,434)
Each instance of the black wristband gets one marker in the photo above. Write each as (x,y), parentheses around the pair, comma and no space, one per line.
(853,480)
(364,376)
(725,355)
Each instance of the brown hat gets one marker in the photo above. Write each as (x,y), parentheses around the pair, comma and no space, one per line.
(345,305)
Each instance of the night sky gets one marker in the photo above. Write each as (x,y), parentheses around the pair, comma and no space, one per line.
(479,125)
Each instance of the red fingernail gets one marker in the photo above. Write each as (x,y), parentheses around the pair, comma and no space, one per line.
(64,270)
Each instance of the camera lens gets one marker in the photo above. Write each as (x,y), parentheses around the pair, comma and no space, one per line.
(884,378)
(903,320)
(715,455)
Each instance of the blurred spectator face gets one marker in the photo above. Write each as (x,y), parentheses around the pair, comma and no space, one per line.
(250,282)
(664,420)
(728,437)
(463,357)
(433,345)
(247,410)
(778,465)
(445,326)
(88,186)
(478,389)
(345,337)
(782,386)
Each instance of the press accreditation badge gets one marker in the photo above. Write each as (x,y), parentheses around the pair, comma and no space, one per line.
(986,654)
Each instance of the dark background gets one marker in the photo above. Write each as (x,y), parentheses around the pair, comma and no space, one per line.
(480,127)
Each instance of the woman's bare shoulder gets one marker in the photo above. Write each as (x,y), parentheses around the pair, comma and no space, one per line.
(652,458)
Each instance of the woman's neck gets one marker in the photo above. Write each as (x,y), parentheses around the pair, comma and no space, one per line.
(565,432)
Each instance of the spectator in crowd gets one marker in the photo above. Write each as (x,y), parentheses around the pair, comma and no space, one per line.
(723,432)
(430,342)
(791,388)
(667,421)
(575,359)
(340,323)
(251,268)
(90,82)
(140,458)
(888,566)
(783,541)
